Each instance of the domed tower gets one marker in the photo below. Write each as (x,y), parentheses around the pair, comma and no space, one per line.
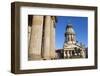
(71,49)
(70,37)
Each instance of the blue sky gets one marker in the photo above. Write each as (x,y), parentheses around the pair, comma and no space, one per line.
(80,25)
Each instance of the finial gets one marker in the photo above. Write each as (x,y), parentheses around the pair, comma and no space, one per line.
(69,24)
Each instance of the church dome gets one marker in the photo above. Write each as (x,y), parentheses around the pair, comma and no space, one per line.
(69,29)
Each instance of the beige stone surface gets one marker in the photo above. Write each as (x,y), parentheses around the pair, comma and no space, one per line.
(46,39)
(70,45)
(29,34)
(52,38)
(42,39)
(83,53)
(36,38)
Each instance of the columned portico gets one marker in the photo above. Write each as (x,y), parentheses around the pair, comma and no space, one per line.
(41,38)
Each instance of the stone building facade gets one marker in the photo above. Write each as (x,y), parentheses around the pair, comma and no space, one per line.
(71,48)
(41,37)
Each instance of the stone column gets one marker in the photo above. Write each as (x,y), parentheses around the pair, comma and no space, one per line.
(83,53)
(36,38)
(29,33)
(73,39)
(68,55)
(52,38)
(46,38)
(69,37)
(64,54)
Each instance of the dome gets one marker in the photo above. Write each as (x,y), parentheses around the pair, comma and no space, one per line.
(69,29)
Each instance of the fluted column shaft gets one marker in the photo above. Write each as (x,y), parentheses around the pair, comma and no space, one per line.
(36,38)
(46,38)
(52,38)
